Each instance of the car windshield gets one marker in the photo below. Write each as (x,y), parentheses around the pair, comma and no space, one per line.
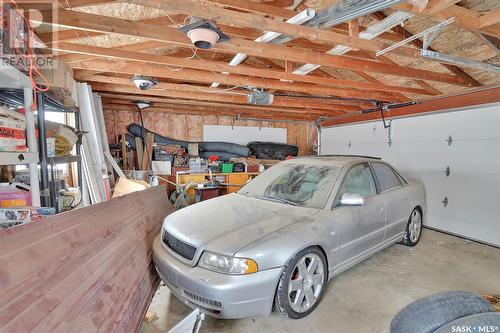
(306,185)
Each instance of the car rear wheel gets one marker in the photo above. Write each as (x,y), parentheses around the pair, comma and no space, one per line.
(302,283)
(413,229)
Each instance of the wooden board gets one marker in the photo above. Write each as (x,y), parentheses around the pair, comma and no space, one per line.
(88,270)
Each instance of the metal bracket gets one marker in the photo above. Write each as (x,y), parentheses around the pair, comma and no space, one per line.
(445,201)
(447,171)
(429,36)
(450,140)
(424,33)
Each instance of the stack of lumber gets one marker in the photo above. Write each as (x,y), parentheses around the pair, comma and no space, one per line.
(87,270)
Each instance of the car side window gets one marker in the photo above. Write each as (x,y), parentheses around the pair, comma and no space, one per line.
(386,177)
(360,181)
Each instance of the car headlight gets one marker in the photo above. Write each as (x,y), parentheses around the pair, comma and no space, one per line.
(227,264)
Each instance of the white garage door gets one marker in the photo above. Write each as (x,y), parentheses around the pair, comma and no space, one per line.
(467,201)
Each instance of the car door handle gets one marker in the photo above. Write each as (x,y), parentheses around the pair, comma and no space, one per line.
(380,209)
(405,198)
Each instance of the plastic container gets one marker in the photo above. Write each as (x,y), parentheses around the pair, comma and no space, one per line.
(226,167)
(197,165)
(253,168)
(11,196)
(239,167)
(51,147)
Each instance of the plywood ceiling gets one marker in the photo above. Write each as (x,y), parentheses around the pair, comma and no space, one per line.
(106,42)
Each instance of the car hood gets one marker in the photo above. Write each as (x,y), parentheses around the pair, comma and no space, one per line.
(228,223)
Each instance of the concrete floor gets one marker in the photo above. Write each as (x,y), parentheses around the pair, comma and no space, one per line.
(366,297)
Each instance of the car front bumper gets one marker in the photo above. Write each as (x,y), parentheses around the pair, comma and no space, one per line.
(216,294)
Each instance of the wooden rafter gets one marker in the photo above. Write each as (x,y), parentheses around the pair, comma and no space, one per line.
(209,111)
(478,96)
(419,44)
(125,53)
(98,23)
(489,19)
(465,18)
(217,95)
(128,98)
(225,16)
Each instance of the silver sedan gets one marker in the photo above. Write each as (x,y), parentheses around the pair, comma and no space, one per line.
(280,238)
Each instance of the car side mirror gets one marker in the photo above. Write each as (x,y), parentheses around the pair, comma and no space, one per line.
(352,199)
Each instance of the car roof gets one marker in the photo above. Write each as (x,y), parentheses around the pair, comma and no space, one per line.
(339,160)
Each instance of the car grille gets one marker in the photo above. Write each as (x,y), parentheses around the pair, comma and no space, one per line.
(183,249)
(203,303)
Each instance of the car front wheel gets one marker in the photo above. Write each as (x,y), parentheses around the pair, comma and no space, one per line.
(302,283)
(413,229)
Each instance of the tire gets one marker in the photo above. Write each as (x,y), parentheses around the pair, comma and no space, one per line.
(486,319)
(298,269)
(409,237)
(430,313)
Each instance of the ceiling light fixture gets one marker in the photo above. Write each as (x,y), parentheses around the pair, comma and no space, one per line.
(143,82)
(203,34)
(142,104)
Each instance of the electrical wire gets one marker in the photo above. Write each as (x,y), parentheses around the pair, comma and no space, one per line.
(33,70)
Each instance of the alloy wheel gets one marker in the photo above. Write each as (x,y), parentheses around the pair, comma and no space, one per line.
(415,226)
(306,282)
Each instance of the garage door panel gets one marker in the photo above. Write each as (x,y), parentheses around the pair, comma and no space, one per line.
(420,151)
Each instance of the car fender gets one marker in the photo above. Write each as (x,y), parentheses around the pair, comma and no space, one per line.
(276,249)
(417,195)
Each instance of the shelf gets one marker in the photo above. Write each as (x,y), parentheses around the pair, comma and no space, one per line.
(10,77)
(64,159)
(15,98)
(14,158)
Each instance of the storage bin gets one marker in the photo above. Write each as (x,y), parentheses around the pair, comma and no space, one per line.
(239,167)
(11,196)
(197,165)
(226,167)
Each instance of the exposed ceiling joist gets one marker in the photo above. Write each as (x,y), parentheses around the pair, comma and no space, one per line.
(127,98)
(128,54)
(258,8)
(219,95)
(465,18)
(211,111)
(225,16)
(191,75)
(103,24)
(489,19)
(419,44)
(482,95)
(117,88)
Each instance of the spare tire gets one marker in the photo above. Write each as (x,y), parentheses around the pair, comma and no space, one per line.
(272,150)
(430,313)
